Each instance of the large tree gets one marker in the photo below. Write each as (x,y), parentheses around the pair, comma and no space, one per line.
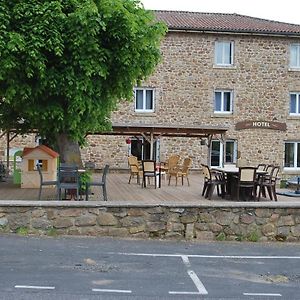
(64,65)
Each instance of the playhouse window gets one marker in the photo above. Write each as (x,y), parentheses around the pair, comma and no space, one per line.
(42,162)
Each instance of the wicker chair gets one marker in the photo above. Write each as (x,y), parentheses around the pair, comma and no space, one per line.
(182,171)
(172,163)
(135,169)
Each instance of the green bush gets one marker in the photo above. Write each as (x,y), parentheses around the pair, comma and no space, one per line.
(22,230)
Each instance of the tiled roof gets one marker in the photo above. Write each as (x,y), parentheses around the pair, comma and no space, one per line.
(197,21)
(43,148)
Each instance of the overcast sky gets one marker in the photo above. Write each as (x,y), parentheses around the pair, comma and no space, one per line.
(283,11)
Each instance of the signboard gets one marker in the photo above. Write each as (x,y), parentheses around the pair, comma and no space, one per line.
(260,125)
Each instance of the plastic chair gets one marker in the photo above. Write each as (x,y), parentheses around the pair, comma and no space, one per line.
(247,180)
(101,183)
(69,180)
(212,180)
(269,183)
(44,182)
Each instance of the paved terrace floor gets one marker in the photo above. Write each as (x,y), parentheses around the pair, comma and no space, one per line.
(119,191)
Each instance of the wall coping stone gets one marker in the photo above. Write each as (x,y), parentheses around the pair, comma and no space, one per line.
(196,204)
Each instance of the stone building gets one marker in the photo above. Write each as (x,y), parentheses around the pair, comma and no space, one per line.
(223,70)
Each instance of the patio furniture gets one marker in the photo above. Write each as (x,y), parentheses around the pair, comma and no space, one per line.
(212,179)
(246,181)
(261,167)
(44,182)
(2,171)
(101,183)
(68,180)
(150,171)
(182,171)
(172,163)
(135,169)
(269,183)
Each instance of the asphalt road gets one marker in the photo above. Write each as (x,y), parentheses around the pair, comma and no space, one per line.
(105,268)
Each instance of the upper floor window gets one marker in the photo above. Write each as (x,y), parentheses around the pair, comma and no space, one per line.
(224,53)
(223,102)
(292,155)
(144,100)
(295,56)
(295,104)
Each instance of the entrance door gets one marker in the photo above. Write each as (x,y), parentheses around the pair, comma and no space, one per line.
(217,153)
(140,148)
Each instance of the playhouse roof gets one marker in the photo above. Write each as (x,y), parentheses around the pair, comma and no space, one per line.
(43,148)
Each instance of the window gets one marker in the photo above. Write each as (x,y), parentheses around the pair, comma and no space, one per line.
(217,153)
(223,102)
(295,56)
(144,100)
(292,155)
(295,104)
(224,53)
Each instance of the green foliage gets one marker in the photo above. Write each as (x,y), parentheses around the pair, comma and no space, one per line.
(22,230)
(221,236)
(251,237)
(84,178)
(51,232)
(66,63)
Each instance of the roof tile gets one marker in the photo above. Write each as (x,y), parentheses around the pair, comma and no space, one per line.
(183,20)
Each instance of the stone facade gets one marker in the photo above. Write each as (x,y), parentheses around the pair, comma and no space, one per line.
(184,84)
(261,223)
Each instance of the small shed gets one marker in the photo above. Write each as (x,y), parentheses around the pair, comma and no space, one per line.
(46,158)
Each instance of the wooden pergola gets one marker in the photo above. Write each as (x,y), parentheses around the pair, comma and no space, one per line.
(148,131)
(152,132)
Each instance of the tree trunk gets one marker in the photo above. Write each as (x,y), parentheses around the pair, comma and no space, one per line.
(69,150)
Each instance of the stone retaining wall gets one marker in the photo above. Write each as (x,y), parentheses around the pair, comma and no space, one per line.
(233,222)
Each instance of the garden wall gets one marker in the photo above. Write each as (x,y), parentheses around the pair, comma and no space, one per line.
(233,221)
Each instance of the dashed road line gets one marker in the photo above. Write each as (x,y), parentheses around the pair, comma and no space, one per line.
(37,287)
(262,294)
(112,291)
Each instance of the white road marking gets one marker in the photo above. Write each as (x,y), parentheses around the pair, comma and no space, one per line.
(200,287)
(186,261)
(35,287)
(112,291)
(205,256)
(184,293)
(262,294)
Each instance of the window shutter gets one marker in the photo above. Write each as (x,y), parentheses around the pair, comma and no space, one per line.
(30,165)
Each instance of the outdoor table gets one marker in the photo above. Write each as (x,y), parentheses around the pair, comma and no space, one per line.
(231,176)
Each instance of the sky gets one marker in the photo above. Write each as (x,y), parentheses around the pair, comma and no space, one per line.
(283,11)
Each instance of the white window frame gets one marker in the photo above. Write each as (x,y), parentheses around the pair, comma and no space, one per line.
(144,110)
(222,146)
(222,111)
(221,44)
(295,143)
(297,49)
(297,113)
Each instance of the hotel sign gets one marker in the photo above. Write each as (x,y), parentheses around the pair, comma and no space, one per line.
(260,125)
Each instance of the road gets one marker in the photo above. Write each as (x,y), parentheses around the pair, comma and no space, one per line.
(106,268)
